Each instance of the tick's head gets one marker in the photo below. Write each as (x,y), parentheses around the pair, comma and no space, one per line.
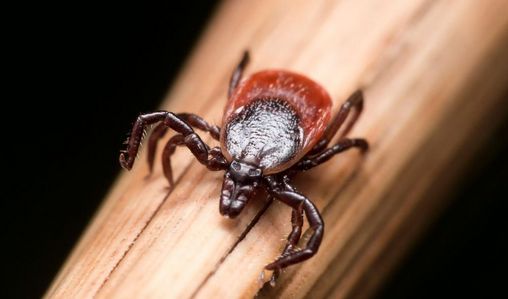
(240,182)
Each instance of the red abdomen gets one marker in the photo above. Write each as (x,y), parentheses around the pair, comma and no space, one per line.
(274,118)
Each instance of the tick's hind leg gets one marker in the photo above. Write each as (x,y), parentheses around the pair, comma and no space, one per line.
(353,104)
(237,73)
(160,130)
(319,158)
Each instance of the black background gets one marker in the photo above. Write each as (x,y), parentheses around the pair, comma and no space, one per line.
(78,76)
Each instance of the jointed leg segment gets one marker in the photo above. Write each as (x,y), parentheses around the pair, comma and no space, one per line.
(192,120)
(353,104)
(188,138)
(320,154)
(214,163)
(296,222)
(327,154)
(292,240)
(169,149)
(298,202)
(296,231)
(237,73)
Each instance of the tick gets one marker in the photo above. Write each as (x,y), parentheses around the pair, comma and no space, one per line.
(276,124)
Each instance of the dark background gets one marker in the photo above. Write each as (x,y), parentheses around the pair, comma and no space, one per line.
(78,76)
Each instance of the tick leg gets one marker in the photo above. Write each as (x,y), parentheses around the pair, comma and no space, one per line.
(327,154)
(353,104)
(169,149)
(299,202)
(214,163)
(293,238)
(296,232)
(237,73)
(154,138)
(198,122)
(191,119)
(296,221)
(198,148)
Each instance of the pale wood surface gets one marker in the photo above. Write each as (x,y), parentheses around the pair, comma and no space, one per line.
(433,74)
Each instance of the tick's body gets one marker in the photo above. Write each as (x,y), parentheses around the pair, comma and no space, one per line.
(276,123)
(273,119)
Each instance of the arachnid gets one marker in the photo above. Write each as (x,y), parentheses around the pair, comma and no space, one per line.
(276,123)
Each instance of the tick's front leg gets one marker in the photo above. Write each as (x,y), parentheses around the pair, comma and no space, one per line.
(188,138)
(293,238)
(298,202)
(160,130)
(216,160)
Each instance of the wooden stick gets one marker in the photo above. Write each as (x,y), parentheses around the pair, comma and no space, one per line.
(433,73)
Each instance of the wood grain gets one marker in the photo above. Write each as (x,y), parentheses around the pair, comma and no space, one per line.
(433,73)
